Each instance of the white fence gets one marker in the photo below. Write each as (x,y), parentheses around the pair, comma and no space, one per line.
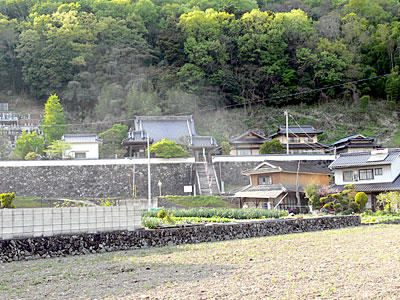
(34,222)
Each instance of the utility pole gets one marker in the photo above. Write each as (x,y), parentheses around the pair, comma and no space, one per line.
(148,174)
(287,131)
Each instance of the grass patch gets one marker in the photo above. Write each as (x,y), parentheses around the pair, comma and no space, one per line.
(29,202)
(395,141)
(198,201)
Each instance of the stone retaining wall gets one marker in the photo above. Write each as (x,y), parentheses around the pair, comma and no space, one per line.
(61,245)
(108,179)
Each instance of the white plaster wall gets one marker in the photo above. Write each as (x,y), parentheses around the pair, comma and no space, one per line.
(91,150)
(385,177)
(395,168)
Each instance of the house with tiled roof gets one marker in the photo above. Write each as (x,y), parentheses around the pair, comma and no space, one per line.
(301,139)
(247,143)
(179,129)
(280,184)
(354,143)
(372,172)
(82,146)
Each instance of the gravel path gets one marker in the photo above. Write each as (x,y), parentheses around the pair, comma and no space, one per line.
(356,263)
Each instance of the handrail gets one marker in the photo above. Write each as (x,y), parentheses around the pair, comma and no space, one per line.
(198,181)
(280,201)
(216,179)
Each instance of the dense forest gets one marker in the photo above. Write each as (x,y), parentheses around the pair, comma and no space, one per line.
(122,58)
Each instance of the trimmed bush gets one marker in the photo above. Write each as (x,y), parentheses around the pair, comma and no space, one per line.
(361,199)
(6,200)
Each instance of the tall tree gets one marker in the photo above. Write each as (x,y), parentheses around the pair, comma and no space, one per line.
(53,122)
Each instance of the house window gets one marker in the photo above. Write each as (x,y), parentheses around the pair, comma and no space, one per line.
(294,139)
(366,174)
(244,152)
(80,155)
(264,180)
(348,176)
(308,139)
(378,172)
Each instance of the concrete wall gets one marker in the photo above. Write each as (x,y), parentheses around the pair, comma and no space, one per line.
(94,178)
(61,245)
(33,222)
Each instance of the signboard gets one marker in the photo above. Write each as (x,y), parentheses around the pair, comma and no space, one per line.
(187,189)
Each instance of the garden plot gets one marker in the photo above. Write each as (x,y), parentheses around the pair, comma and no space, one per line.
(357,263)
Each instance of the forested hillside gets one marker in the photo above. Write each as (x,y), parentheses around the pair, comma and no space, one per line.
(112,60)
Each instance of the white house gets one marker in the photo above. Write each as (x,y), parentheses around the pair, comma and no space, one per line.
(373,172)
(83,146)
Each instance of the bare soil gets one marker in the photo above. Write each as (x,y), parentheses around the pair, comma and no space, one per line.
(355,263)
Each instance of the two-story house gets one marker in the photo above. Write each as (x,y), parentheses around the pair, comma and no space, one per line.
(248,143)
(301,139)
(372,172)
(280,184)
(354,143)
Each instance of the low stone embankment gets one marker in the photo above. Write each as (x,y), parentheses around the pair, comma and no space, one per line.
(76,244)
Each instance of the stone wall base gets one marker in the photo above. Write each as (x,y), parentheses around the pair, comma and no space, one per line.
(76,244)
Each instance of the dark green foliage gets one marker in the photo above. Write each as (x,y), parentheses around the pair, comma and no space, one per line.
(272,147)
(342,202)
(112,141)
(7,199)
(231,213)
(168,149)
(225,52)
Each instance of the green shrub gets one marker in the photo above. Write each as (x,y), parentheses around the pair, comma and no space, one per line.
(230,213)
(347,212)
(354,206)
(272,147)
(368,212)
(31,156)
(169,218)
(361,199)
(151,223)
(225,148)
(168,149)
(6,200)
(162,214)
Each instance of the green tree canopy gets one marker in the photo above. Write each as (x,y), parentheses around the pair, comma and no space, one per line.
(168,149)
(53,122)
(29,142)
(272,147)
(112,141)
(57,149)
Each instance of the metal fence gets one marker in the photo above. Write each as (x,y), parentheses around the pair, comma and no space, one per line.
(35,222)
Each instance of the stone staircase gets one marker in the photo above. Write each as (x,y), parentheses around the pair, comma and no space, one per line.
(203,181)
